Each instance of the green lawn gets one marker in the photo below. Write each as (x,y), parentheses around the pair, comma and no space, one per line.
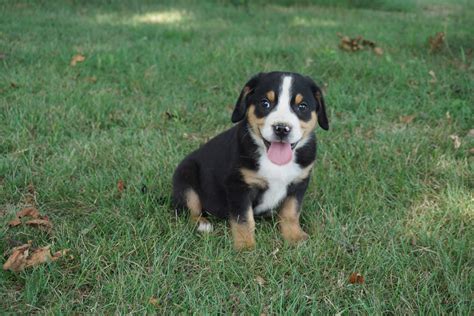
(390,199)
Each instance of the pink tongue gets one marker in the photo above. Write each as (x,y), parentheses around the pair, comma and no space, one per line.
(280,153)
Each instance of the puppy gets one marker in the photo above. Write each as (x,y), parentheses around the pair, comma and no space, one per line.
(261,164)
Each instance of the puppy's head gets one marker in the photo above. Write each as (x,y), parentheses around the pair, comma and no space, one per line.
(282,110)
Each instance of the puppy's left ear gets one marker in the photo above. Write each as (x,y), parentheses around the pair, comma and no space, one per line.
(241,104)
(321,108)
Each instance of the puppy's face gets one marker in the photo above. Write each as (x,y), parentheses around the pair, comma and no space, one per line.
(282,110)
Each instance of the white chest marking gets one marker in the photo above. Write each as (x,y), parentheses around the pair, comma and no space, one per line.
(278,179)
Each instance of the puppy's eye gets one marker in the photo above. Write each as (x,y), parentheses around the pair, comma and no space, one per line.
(302,107)
(265,104)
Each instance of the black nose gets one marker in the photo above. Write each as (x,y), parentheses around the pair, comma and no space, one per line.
(281,130)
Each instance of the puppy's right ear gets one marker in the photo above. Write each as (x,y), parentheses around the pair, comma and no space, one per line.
(241,105)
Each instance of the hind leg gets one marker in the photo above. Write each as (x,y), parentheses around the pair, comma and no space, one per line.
(185,196)
(193,203)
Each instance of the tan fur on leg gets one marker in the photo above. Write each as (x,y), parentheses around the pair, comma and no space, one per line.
(290,223)
(195,210)
(243,232)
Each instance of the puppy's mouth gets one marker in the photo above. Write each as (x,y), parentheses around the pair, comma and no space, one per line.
(267,144)
(280,153)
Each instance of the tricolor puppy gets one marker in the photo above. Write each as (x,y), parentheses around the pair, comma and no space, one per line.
(261,164)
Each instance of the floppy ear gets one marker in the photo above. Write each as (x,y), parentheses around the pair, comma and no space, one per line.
(241,105)
(321,108)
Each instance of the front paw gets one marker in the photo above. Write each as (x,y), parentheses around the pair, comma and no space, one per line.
(293,234)
(244,244)
(243,235)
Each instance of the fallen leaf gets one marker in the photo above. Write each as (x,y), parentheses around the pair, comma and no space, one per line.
(260,281)
(77,59)
(43,223)
(17,260)
(29,211)
(39,256)
(154,301)
(22,258)
(359,43)
(436,42)
(14,222)
(456,141)
(2,56)
(407,119)
(356,278)
(470,133)
(38,221)
(120,185)
(471,151)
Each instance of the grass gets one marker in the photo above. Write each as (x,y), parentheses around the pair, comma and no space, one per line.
(390,200)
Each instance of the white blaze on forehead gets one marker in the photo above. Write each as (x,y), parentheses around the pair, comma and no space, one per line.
(283,114)
(285,92)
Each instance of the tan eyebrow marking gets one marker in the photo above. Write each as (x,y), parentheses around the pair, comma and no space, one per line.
(298,98)
(271,96)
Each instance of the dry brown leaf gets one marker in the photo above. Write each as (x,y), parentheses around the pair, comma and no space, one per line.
(42,223)
(436,42)
(29,211)
(17,260)
(407,119)
(470,133)
(359,43)
(260,281)
(14,222)
(37,221)
(471,151)
(456,141)
(356,278)
(39,256)
(120,185)
(77,59)
(22,258)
